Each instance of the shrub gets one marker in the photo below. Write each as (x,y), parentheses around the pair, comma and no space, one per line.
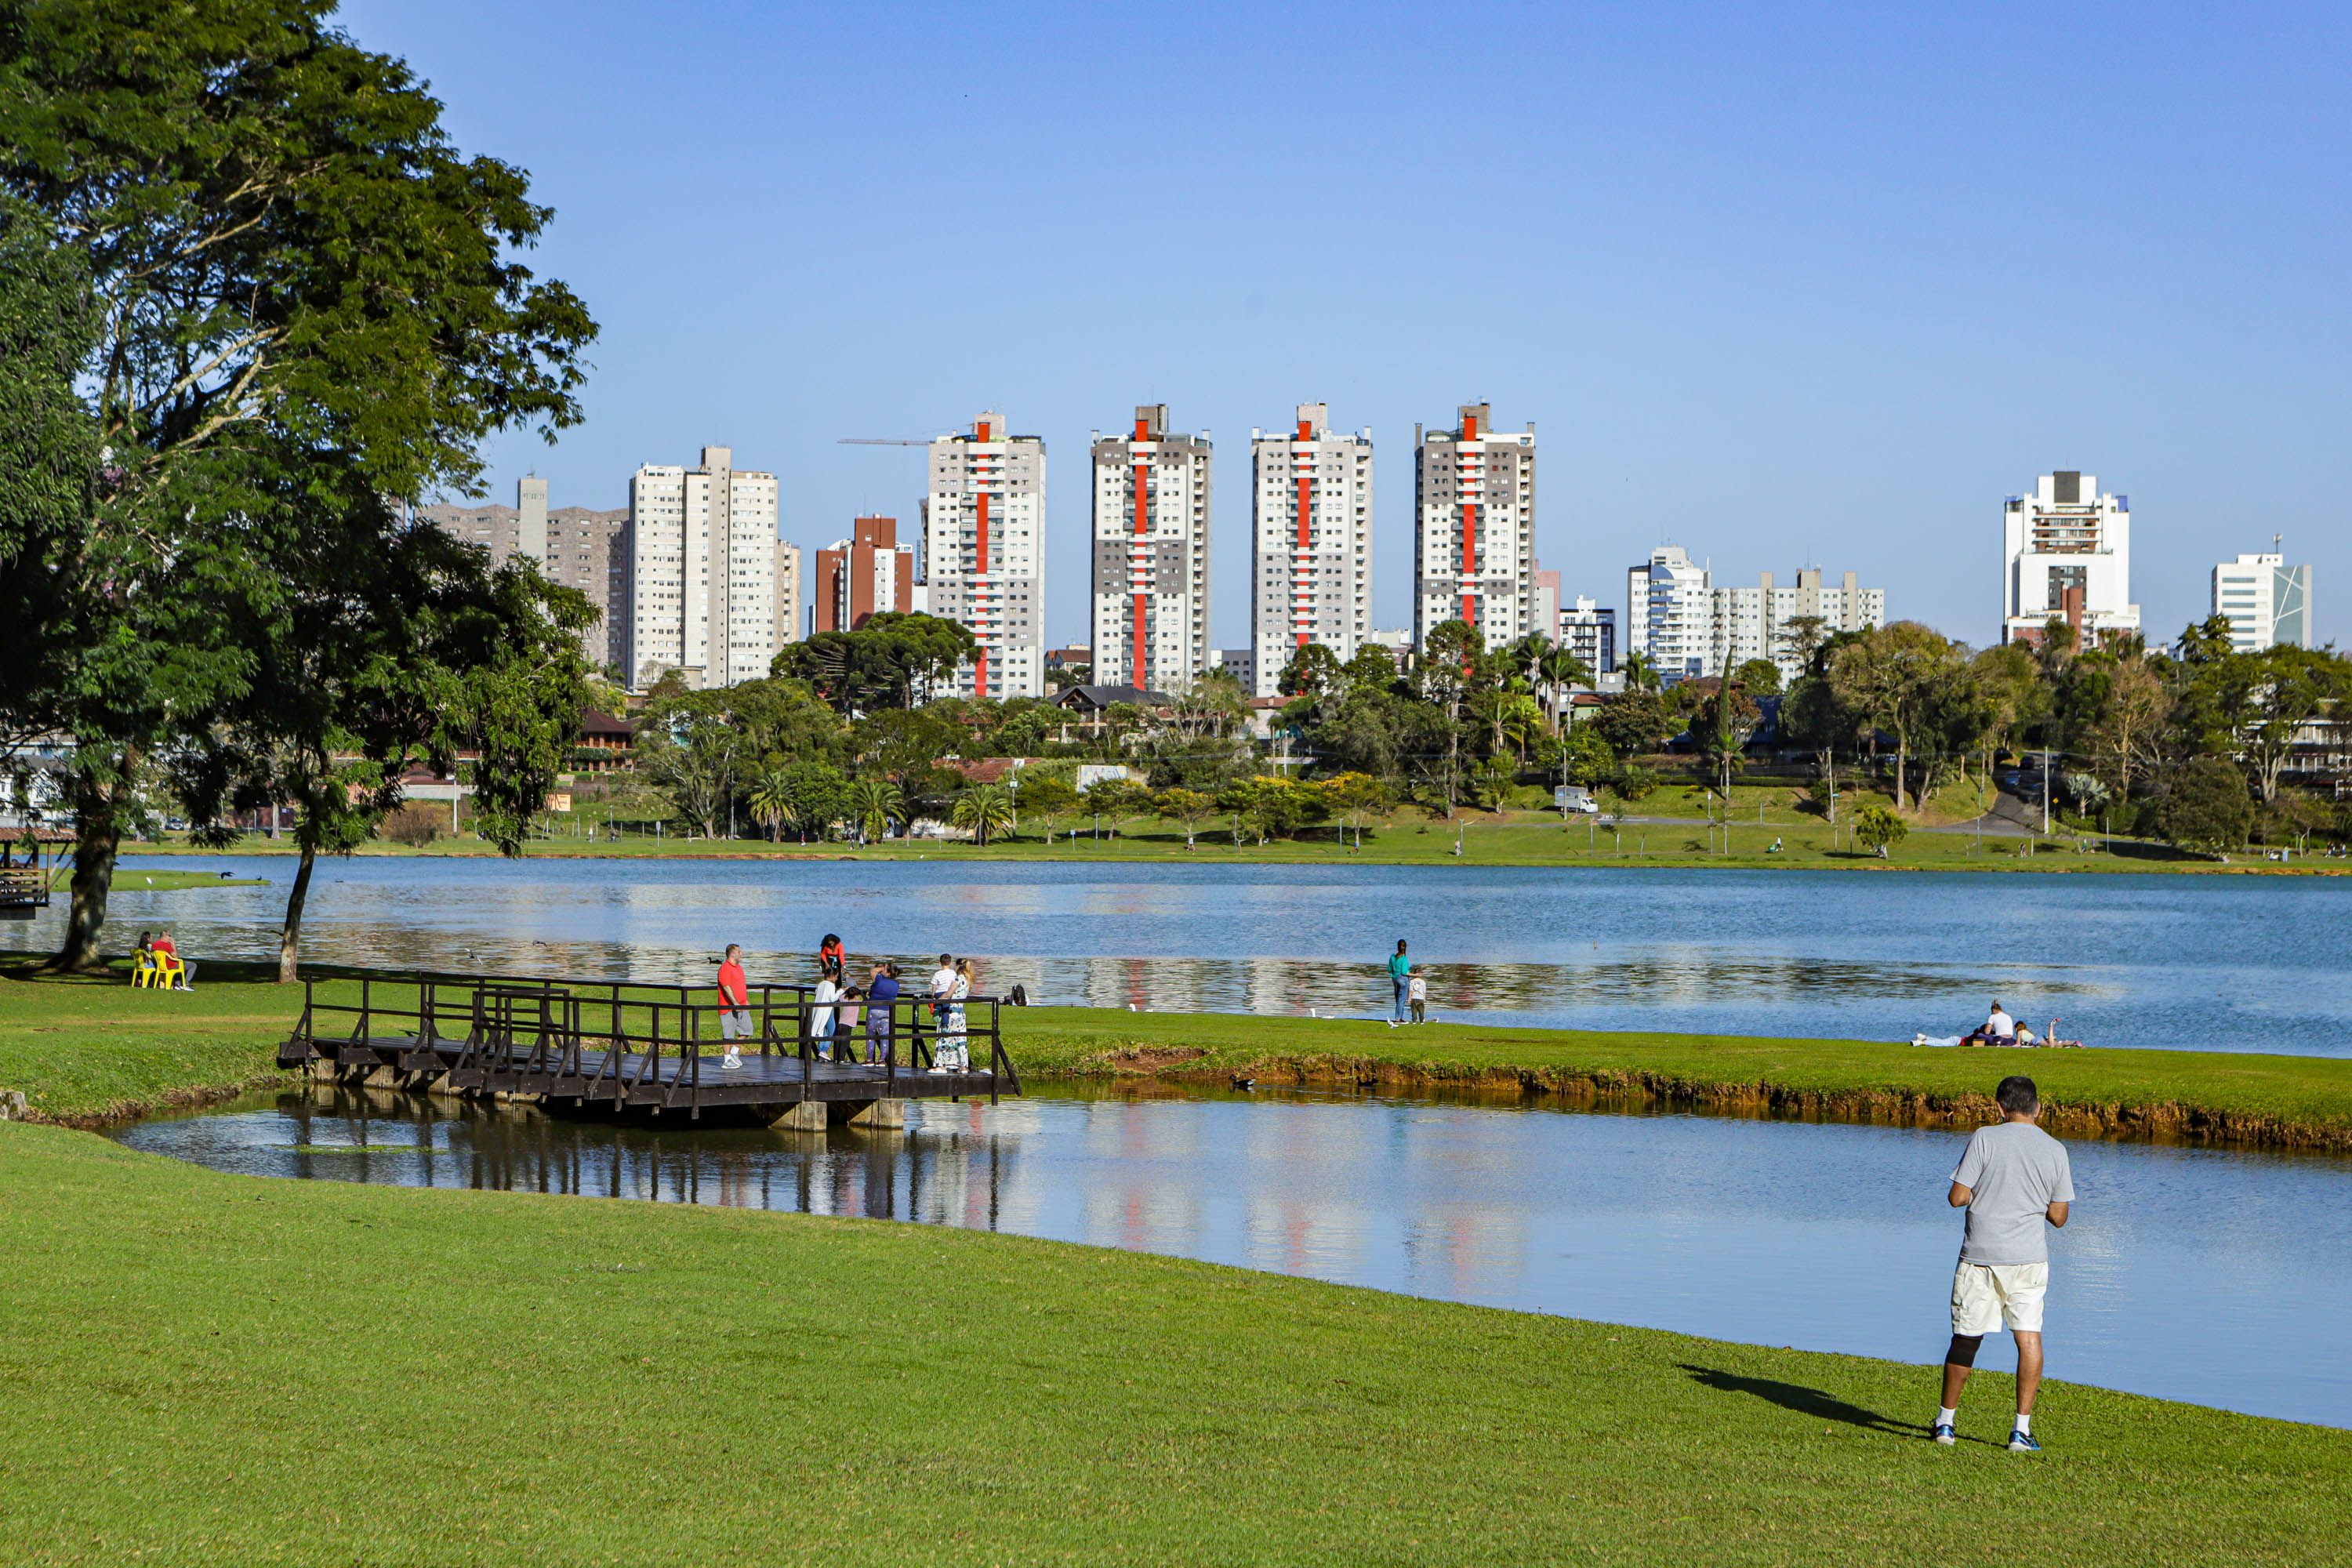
(415,824)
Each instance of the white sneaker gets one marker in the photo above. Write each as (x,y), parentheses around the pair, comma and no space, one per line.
(732,1060)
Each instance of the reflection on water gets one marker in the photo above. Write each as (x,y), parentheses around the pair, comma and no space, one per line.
(2208,964)
(1781,1233)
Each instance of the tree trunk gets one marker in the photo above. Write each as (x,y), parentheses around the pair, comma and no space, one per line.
(1902,763)
(289,934)
(98,833)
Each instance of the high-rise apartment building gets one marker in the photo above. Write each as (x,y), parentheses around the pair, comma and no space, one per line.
(702,552)
(1686,626)
(1670,613)
(983,544)
(1753,623)
(575,546)
(867,572)
(1589,630)
(2267,601)
(1474,519)
(2068,559)
(1152,556)
(1311,527)
(790,577)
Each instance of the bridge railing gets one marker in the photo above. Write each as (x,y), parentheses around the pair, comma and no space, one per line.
(532,1026)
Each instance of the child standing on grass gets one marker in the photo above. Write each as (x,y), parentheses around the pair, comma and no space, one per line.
(1418,989)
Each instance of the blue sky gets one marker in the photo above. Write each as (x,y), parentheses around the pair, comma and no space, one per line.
(1784,285)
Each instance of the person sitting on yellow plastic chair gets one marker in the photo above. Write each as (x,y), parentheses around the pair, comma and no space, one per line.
(157,966)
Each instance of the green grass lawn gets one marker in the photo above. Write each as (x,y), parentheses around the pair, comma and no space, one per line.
(136,879)
(202,1368)
(86,1049)
(212,1368)
(1512,839)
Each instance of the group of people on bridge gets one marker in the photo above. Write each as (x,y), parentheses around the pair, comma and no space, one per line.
(838,1000)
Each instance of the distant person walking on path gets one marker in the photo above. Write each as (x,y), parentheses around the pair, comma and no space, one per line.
(2013,1178)
(881,992)
(734,1005)
(1400,976)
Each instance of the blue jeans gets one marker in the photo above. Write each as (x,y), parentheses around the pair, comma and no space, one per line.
(1403,986)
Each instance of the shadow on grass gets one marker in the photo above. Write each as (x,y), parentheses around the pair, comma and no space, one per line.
(1802,1400)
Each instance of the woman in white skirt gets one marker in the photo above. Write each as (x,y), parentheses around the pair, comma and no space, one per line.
(955,1049)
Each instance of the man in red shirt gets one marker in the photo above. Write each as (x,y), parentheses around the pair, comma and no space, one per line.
(181,972)
(734,1003)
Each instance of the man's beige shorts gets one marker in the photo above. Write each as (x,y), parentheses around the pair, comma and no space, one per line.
(1986,1296)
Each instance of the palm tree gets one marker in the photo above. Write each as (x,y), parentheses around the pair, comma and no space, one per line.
(873,806)
(771,801)
(983,810)
(1556,671)
(1640,673)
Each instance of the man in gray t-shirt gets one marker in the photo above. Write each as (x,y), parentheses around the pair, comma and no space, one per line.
(2014,1179)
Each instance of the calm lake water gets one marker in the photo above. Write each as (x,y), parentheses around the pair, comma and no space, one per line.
(2190,1274)
(2190,962)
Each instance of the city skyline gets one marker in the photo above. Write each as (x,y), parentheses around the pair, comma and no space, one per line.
(1791,290)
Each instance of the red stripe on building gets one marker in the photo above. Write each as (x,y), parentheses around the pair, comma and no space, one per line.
(1469,561)
(1306,506)
(980,662)
(1142,476)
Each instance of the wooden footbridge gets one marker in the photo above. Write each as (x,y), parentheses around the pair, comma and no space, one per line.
(654,1050)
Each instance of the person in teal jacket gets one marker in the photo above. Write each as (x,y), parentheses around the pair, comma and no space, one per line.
(1400,976)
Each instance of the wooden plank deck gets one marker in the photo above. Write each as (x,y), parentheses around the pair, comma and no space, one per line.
(640,1078)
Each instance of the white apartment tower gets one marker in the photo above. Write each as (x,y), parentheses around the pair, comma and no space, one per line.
(1311,524)
(2069,559)
(1752,623)
(983,544)
(2266,601)
(1670,613)
(1152,556)
(1474,529)
(702,555)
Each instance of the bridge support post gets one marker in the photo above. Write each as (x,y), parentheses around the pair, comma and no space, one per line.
(808,1116)
(882,1114)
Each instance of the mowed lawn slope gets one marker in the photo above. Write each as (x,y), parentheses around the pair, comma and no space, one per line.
(202,1368)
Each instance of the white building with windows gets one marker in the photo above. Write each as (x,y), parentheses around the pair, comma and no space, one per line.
(1753,623)
(2266,601)
(1152,556)
(1589,630)
(702,558)
(2068,558)
(1312,524)
(983,554)
(1475,528)
(1670,613)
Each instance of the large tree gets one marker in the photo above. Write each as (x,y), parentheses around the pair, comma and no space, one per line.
(1899,678)
(289,264)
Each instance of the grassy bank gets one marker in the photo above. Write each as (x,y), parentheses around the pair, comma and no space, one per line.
(85,1051)
(1485,838)
(212,1368)
(2243,1098)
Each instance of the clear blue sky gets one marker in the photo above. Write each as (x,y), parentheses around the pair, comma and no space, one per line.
(1784,285)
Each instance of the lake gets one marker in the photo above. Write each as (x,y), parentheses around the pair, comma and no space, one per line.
(2190,962)
(2214,1276)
